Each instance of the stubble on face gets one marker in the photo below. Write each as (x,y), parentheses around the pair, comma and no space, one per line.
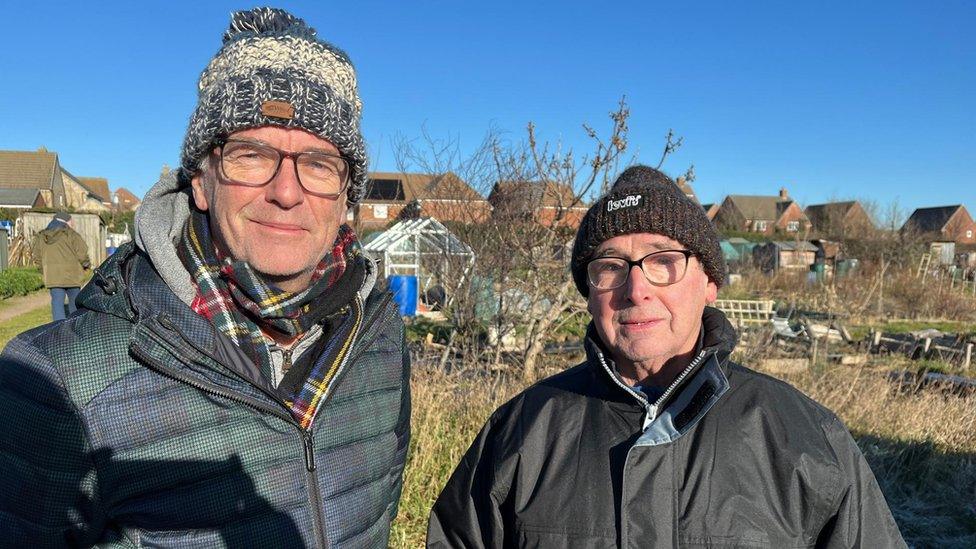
(281,232)
(648,329)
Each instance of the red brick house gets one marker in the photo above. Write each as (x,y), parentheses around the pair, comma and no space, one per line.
(840,219)
(685,187)
(445,197)
(533,200)
(124,200)
(761,214)
(943,223)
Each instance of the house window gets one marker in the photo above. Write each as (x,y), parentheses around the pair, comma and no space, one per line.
(793,226)
(380,211)
(385,189)
(760,226)
(969,233)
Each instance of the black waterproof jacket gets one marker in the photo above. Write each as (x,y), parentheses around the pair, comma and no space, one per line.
(727,457)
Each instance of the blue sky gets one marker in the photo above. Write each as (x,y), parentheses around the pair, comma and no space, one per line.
(829,99)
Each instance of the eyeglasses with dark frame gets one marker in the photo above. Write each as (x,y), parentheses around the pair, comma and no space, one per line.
(661,268)
(254,164)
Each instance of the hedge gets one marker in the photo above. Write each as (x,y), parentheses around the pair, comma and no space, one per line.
(19,282)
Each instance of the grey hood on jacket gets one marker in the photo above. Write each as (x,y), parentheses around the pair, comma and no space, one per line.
(159,225)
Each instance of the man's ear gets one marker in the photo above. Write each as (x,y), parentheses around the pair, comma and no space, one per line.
(199,192)
(711,293)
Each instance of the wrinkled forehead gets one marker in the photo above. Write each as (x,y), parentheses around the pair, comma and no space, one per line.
(288,139)
(636,244)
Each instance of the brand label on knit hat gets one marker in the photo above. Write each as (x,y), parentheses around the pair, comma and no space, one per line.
(278,109)
(626,202)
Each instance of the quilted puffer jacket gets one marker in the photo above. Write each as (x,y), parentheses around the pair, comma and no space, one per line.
(135,424)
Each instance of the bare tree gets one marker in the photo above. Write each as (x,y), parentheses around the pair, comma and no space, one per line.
(519,291)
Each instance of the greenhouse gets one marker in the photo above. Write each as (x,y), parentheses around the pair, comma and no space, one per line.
(423,248)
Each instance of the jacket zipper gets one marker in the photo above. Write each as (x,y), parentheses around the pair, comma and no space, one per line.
(307,437)
(651,410)
(662,400)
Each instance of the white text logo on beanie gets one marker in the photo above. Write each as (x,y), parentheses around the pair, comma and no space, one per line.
(626,202)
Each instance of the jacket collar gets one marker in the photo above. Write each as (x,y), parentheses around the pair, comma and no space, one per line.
(692,394)
(718,338)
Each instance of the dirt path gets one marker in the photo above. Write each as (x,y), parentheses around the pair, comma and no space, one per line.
(16,306)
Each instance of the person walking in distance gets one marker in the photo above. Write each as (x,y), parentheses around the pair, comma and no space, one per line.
(63,256)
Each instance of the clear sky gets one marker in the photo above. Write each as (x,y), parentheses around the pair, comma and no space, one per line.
(829,99)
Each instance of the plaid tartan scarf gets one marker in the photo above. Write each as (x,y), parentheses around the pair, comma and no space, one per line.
(237,301)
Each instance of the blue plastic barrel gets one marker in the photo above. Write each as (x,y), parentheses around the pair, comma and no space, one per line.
(404,288)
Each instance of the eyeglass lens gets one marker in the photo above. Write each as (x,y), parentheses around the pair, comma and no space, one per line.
(255,164)
(660,268)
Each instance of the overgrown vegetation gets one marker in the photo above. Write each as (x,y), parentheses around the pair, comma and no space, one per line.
(921,444)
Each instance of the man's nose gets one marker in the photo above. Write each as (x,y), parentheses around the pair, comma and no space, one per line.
(637,288)
(285,189)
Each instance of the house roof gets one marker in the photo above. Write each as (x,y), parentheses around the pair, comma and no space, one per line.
(790,245)
(97,186)
(931,219)
(18,197)
(769,208)
(422,186)
(27,169)
(550,194)
(126,197)
(823,213)
(65,173)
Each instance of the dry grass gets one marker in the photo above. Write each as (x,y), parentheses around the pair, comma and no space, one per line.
(921,445)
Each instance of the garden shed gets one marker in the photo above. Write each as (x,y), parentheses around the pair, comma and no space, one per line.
(424,248)
(790,254)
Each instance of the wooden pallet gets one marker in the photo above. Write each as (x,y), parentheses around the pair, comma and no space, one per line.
(747,311)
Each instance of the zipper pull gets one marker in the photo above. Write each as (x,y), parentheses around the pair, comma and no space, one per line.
(650,416)
(309,450)
(285,361)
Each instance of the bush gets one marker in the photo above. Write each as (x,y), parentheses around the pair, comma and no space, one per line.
(19,282)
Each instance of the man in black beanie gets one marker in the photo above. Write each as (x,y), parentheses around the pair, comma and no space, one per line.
(658,439)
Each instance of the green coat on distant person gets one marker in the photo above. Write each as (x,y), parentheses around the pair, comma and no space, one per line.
(63,256)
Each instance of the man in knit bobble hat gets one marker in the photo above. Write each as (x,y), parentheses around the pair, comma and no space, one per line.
(658,439)
(234,378)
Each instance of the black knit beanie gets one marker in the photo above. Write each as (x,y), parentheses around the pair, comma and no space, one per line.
(644,200)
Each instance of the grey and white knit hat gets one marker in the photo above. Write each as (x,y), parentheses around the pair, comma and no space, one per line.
(644,200)
(274,70)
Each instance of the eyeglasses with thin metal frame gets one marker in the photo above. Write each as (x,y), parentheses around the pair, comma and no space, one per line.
(661,268)
(254,164)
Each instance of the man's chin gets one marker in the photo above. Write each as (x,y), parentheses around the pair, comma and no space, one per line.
(281,273)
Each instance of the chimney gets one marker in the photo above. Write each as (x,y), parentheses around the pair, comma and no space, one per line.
(681,180)
(165,171)
(783,195)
